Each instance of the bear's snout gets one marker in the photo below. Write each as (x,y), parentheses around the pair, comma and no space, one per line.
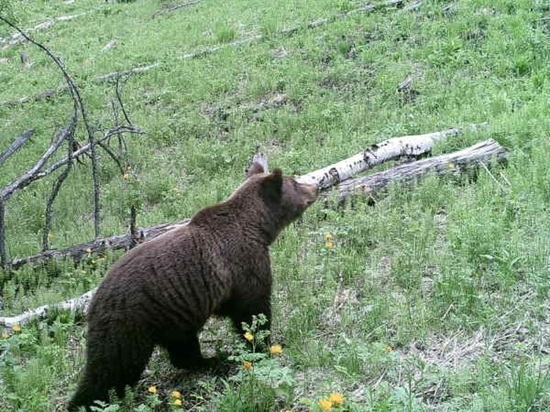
(311,191)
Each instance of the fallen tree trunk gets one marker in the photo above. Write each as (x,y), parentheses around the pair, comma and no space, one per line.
(378,153)
(76,252)
(455,162)
(79,303)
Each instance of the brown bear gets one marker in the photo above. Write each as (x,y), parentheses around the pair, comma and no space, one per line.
(163,291)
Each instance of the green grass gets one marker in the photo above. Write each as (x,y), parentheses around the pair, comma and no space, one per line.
(434,299)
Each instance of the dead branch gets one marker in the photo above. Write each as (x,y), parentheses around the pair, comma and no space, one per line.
(69,134)
(175,7)
(73,151)
(376,154)
(455,162)
(33,173)
(117,242)
(114,75)
(20,141)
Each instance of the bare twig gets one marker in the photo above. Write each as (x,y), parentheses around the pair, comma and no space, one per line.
(68,131)
(33,173)
(20,141)
(115,131)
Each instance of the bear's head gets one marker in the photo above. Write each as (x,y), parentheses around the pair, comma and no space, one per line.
(281,199)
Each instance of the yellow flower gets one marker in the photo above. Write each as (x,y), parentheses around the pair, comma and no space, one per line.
(125,176)
(50,235)
(249,336)
(16,328)
(336,398)
(276,350)
(5,335)
(325,404)
(329,244)
(152,389)
(247,365)
(328,236)
(176,394)
(177,402)
(89,250)
(389,349)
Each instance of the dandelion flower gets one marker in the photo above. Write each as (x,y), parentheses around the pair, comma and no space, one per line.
(336,398)
(276,350)
(329,244)
(125,176)
(176,394)
(177,402)
(5,335)
(16,328)
(247,365)
(329,236)
(249,336)
(325,404)
(152,389)
(389,349)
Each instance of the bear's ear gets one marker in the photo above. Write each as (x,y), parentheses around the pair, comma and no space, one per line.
(272,185)
(254,168)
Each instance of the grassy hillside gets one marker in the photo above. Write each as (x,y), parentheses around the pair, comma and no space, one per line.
(436,298)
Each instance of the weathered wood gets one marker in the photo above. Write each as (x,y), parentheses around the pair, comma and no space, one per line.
(455,162)
(78,303)
(376,154)
(15,145)
(115,242)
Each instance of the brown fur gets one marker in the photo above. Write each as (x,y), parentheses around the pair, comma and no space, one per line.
(163,291)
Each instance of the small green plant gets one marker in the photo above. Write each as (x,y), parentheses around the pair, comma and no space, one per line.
(262,382)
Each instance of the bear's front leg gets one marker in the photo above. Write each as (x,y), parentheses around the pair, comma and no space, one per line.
(186,353)
(244,312)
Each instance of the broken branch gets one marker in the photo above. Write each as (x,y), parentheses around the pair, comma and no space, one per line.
(20,141)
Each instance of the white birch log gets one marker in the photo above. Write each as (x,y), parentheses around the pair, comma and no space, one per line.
(376,154)
(78,303)
(451,163)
